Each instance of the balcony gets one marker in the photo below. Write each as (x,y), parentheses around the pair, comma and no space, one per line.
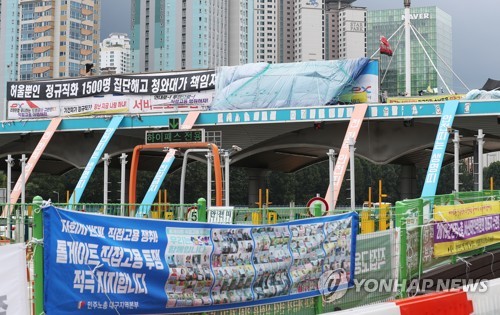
(44,39)
(87,12)
(89,23)
(43,9)
(41,29)
(85,52)
(87,42)
(86,32)
(44,59)
(42,49)
(38,70)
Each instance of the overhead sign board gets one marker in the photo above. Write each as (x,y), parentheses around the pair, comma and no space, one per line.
(172,136)
(173,123)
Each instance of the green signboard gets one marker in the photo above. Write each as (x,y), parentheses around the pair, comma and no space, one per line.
(375,272)
(173,136)
(173,123)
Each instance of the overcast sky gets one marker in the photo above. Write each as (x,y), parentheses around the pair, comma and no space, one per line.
(475,32)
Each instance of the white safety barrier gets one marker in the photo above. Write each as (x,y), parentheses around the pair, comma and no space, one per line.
(389,308)
(453,302)
(485,300)
(488,302)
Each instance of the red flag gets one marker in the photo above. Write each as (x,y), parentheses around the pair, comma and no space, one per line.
(385,48)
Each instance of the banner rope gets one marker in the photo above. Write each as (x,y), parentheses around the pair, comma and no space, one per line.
(467,266)
(492,262)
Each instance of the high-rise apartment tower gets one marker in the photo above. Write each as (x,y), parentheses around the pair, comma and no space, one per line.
(57,38)
(115,54)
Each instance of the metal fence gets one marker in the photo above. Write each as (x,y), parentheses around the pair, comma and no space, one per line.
(402,236)
(416,219)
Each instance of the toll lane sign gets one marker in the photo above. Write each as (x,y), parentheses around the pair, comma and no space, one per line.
(172,136)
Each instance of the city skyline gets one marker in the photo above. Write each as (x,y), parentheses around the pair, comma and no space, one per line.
(471,32)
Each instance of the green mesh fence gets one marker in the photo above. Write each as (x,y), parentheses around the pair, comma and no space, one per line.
(377,259)
(415,217)
(297,307)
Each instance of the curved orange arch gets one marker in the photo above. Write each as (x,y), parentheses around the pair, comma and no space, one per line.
(181,145)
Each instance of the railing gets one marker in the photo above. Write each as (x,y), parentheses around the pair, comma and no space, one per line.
(409,259)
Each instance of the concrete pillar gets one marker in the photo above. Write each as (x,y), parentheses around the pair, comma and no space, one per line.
(256,181)
(408,182)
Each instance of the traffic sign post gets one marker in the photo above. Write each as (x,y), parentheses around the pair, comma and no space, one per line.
(317,201)
(192,214)
(172,136)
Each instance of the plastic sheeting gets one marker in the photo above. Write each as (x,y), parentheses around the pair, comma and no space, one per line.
(262,85)
(482,95)
(491,84)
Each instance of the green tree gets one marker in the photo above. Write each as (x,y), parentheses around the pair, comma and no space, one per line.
(492,171)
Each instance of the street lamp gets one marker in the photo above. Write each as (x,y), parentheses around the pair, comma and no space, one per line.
(55,192)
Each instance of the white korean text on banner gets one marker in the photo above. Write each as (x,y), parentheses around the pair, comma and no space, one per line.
(94,106)
(86,106)
(14,282)
(110,104)
(145,84)
(113,265)
(27,109)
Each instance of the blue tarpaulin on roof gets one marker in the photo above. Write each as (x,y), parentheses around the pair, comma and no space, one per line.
(263,85)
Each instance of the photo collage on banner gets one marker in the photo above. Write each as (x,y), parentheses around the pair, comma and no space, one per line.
(272,261)
(308,256)
(338,247)
(188,259)
(232,266)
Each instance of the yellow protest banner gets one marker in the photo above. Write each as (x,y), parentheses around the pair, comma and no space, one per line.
(431,98)
(466,227)
(466,210)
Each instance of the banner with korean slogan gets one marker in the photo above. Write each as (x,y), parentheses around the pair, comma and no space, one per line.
(14,282)
(109,265)
(165,103)
(135,84)
(465,227)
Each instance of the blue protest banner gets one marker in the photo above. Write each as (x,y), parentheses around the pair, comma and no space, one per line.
(434,169)
(108,265)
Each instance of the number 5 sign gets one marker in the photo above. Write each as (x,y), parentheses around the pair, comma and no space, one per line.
(192,214)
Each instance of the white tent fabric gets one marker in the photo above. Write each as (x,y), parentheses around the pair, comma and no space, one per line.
(262,85)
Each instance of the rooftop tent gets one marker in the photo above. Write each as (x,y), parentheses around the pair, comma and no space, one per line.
(491,85)
(262,85)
